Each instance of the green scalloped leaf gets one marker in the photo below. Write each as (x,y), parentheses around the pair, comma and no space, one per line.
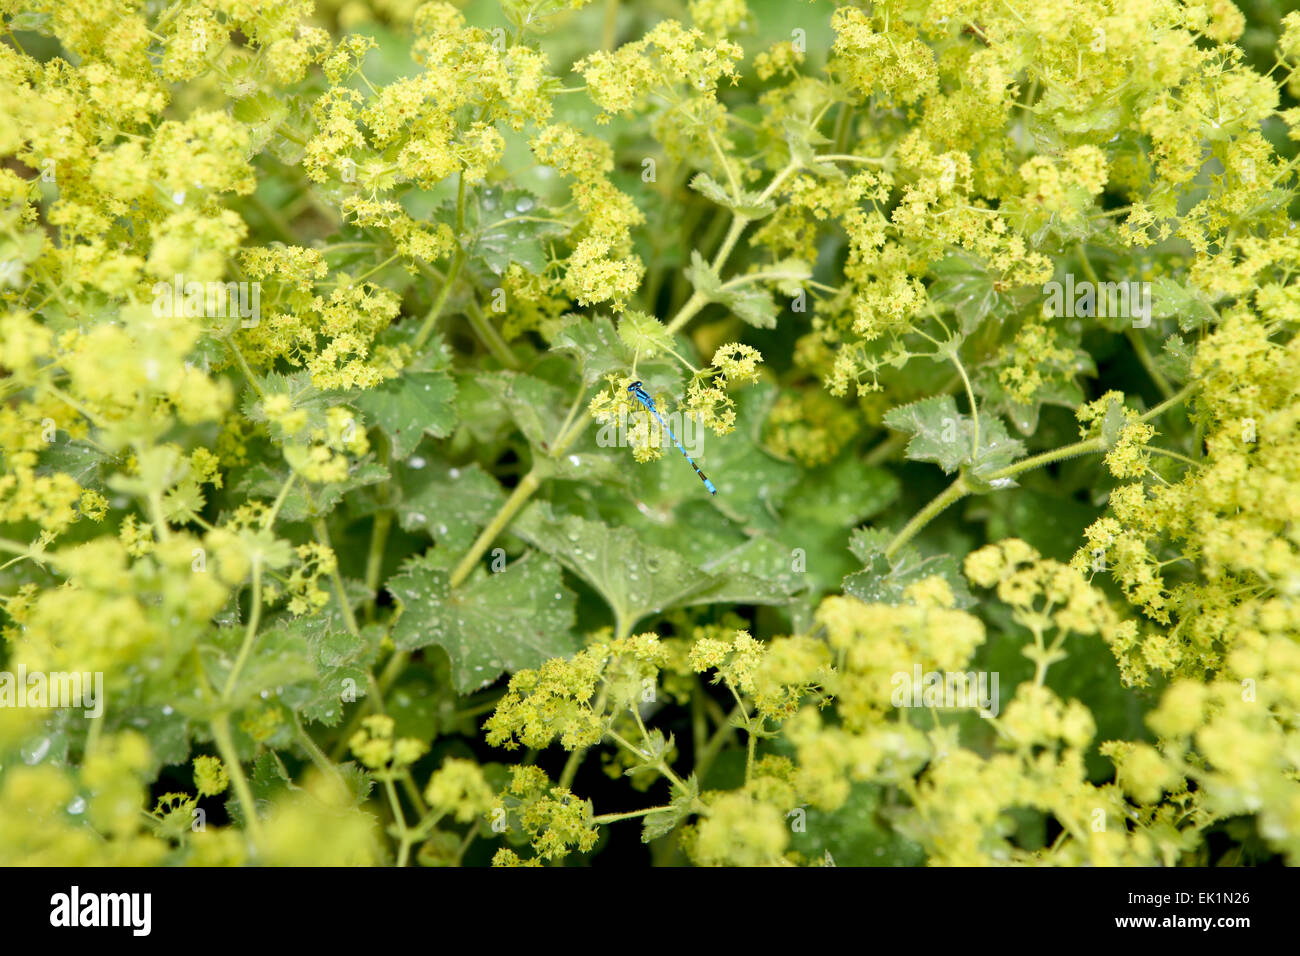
(411,406)
(946,437)
(492,624)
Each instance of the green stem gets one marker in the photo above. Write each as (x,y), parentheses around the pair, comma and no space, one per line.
(575,759)
(428,820)
(662,766)
(490,337)
(1169,402)
(951,494)
(847,158)
(413,791)
(375,559)
(1172,454)
(460,193)
(687,312)
(609,28)
(396,664)
(431,320)
(399,819)
(726,166)
(571,766)
(738,224)
(1136,341)
(156,515)
(465,844)
(250,632)
(13,547)
(750,277)
(378,532)
(317,756)
(523,491)
(230,757)
(350,619)
(573,409)
(1144,356)
(243,364)
(1049,457)
(615,817)
(269,520)
(970,397)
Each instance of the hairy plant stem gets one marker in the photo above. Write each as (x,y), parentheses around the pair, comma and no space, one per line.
(615,817)
(948,496)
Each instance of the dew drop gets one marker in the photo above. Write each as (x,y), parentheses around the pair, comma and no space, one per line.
(35,752)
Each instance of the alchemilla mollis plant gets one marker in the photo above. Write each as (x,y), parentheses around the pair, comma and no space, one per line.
(350,352)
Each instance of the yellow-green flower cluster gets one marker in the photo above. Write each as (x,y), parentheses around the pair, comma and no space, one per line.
(559,700)
(459,789)
(872,642)
(555,821)
(375,746)
(775,676)
(210,776)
